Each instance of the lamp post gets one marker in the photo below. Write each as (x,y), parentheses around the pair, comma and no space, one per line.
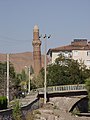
(45,63)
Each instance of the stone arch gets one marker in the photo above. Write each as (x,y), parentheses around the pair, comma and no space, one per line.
(81,105)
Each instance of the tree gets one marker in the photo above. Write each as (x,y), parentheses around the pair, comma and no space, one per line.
(3,71)
(18,79)
(88,90)
(17,115)
(37,82)
(12,75)
(23,80)
(73,72)
(66,71)
(3,77)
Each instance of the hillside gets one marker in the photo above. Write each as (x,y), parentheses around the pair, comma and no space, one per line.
(20,60)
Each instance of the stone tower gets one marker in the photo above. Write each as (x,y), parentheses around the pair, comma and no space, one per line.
(36,50)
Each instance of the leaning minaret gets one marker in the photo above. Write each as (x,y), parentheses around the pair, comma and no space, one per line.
(36,50)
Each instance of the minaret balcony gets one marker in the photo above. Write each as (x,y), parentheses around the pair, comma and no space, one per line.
(35,43)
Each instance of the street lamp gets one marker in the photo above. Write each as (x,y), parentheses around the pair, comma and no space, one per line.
(45,63)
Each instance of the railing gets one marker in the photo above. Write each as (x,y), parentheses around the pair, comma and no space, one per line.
(63,88)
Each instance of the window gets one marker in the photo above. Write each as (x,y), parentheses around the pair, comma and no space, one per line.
(88,53)
(75,53)
(88,62)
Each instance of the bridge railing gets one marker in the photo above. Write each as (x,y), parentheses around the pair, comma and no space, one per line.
(62,88)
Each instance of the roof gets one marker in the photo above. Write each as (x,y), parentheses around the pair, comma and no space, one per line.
(69,48)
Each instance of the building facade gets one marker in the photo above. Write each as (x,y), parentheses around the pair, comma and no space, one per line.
(79,50)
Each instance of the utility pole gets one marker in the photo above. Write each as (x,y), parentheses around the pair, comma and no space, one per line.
(29,80)
(29,77)
(8,78)
(45,37)
(45,63)
(45,67)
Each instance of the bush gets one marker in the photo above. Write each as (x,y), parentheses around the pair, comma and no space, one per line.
(3,102)
(87,83)
(17,115)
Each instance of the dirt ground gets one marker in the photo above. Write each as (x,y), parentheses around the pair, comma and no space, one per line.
(56,110)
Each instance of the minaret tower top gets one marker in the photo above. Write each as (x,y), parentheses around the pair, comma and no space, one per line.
(36,33)
(36,28)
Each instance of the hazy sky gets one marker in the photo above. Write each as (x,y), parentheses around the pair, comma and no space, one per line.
(65,20)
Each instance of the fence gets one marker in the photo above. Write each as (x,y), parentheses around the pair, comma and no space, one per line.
(63,88)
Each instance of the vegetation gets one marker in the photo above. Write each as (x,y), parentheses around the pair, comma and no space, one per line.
(33,115)
(17,115)
(30,116)
(23,80)
(66,71)
(23,77)
(12,74)
(88,90)
(75,111)
(16,81)
(37,82)
(3,102)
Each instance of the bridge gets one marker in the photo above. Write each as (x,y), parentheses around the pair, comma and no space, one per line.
(66,96)
(31,101)
(71,94)
(63,89)
(55,91)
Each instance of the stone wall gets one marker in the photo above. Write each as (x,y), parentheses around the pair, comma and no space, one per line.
(7,114)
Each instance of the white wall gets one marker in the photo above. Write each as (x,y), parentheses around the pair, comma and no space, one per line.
(83,55)
(54,56)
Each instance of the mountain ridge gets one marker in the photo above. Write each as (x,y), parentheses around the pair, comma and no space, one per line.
(20,60)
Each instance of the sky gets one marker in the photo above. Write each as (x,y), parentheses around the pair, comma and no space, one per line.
(65,20)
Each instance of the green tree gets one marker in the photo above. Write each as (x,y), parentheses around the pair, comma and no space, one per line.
(37,82)
(23,78)
(73,72)
(66,71)
(12,76)
(2,76)
(18,79)
(88,90)
(17,115)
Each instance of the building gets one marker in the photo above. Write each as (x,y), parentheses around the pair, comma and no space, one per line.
(36,50)
(79,50)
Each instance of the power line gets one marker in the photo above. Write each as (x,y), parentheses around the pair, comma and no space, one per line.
(9,39)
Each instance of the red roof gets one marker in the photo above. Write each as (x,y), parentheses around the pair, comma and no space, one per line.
(76,44)
(70,48)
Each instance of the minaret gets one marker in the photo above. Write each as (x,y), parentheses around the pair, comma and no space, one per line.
(36,50)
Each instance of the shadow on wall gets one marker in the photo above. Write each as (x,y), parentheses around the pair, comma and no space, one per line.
(81,106)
